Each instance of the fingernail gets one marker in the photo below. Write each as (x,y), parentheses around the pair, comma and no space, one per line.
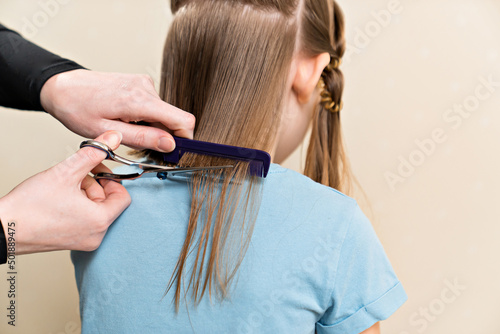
(166,144)
(113,139)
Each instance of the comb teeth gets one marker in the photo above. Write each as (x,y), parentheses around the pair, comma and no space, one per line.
(259,160)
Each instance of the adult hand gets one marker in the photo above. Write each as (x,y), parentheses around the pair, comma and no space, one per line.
(63,207)
(89,103)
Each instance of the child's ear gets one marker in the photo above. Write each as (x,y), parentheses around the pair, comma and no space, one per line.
(309,70)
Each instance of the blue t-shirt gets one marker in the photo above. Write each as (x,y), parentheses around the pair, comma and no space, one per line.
(314,263)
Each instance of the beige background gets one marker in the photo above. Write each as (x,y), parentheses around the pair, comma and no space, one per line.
(405,71)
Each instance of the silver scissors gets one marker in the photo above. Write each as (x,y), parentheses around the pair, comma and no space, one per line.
(148,170)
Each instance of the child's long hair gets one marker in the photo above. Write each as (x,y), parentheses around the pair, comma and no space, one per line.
(227,62)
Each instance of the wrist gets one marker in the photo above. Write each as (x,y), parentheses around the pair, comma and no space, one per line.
(9,220)
(3,243)
(3,236)
(54,90)
(5,214)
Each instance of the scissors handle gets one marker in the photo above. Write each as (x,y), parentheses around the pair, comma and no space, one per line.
(100,146)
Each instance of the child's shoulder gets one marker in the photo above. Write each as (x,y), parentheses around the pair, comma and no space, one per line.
(308,188)
(320,209)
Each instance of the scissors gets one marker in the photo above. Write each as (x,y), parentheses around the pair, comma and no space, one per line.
(148,170)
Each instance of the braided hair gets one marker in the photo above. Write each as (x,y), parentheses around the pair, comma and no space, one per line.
(323,31)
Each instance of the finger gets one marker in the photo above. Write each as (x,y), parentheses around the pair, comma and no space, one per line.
(102,169)
(117,200)
(150,108)
(142,136)
(180,122)
(164,128)
(179,133)
(83,161)
(184,133)
(92,189)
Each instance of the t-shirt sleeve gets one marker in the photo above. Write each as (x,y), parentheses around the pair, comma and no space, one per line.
(365,289)
(24,69)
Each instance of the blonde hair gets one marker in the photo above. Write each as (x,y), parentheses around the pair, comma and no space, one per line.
(227,62)
(323,31)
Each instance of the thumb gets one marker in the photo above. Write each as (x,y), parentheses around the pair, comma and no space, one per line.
(83,161)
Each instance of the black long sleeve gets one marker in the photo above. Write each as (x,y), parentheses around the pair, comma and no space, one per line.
(24,69)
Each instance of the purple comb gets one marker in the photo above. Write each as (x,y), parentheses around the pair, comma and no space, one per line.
(259,160)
